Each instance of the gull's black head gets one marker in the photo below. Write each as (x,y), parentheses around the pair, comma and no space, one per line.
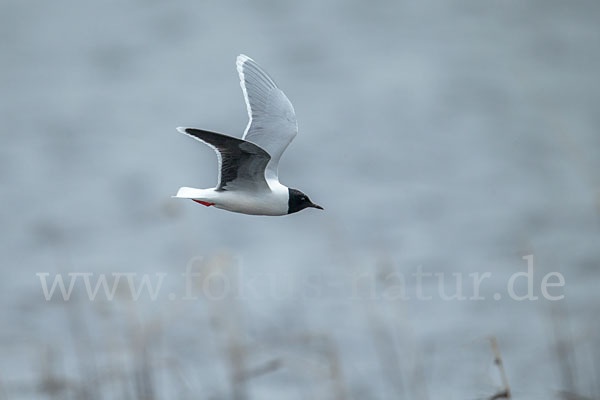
(299,201)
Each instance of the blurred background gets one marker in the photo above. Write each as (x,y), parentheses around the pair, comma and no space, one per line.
(455,136)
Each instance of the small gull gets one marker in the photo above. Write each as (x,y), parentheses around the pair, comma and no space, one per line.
(248,181)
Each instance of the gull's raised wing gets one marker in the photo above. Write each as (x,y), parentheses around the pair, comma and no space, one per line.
(241,163)
(272,123)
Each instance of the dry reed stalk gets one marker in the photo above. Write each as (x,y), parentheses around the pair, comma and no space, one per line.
(505,392)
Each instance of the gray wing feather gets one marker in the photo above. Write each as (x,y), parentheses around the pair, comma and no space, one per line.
(241,163)
(272,121)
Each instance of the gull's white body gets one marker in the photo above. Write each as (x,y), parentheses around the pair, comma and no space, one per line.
(248,182)
(273,202)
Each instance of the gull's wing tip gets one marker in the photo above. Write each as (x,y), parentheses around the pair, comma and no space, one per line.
(182,129)
(242,58)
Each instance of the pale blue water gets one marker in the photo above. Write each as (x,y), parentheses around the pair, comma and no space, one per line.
(456,136)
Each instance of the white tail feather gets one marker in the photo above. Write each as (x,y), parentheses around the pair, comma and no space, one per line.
(191,193)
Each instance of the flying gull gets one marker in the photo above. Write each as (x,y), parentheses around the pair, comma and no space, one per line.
(248,182)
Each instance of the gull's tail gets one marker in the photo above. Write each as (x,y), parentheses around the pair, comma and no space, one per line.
(198,194)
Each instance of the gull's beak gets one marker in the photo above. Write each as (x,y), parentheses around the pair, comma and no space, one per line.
(313,205)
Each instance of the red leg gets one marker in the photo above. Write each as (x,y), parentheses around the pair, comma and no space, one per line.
(204,203)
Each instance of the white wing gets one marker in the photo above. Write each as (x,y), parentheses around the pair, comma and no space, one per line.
(272,123)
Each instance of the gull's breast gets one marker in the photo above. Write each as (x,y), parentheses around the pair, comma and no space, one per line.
(274,202)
